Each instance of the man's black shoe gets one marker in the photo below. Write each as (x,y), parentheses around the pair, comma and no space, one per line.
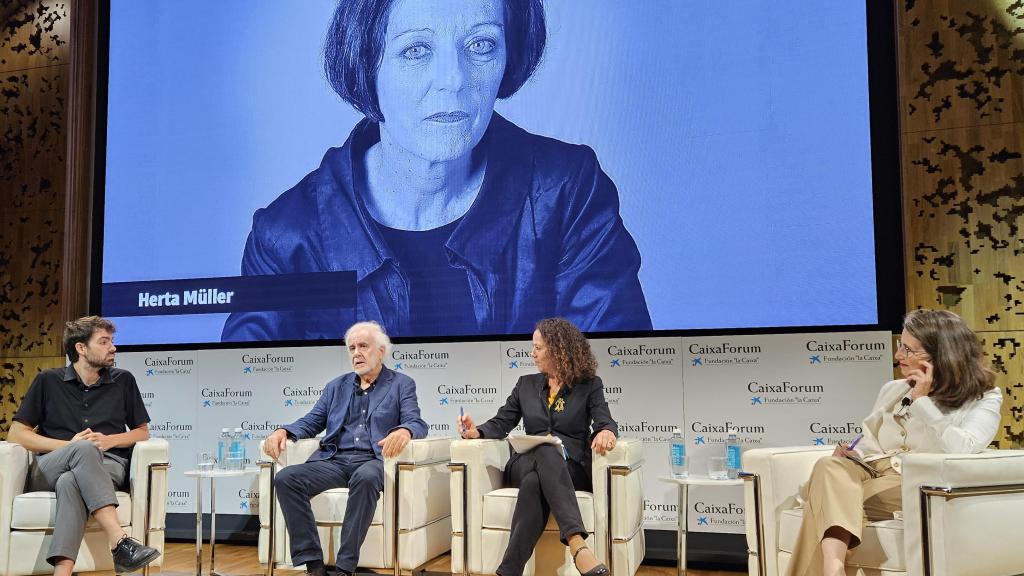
(316,568)
(130,555)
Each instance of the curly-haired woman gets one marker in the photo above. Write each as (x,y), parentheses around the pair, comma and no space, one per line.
(566,399)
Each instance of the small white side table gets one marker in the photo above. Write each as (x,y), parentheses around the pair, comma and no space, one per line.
(682,514)
(213,475)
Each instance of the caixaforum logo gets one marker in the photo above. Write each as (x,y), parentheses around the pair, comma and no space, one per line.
(632,355)
(301,396)
(268,363)
(225,397)
(647,430)
(519,357)
(830,433)
(179,499)
(168,366)
(712,515)
(784,393)
(256,431)
(708,354)
(844,350)
(459,394)
(708,433)
(612,393)
(248,501)
(659,512)
(419,359)
(170,430)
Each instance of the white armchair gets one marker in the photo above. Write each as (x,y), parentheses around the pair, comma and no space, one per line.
(412,521)
(482,511)
(961,514)
(27,518)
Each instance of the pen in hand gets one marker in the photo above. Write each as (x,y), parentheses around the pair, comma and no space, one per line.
(462,414)
(855,441)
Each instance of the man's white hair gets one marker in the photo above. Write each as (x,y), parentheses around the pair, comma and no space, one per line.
(377,330)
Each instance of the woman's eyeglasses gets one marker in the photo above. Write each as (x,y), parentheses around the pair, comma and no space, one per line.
(907,350)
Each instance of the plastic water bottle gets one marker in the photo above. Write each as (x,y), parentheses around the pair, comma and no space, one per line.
(236,454)
(223,447)
(677,454)
(733,454)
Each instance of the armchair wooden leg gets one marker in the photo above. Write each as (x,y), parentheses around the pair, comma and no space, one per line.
(271,527)
(146,528)
(457,467)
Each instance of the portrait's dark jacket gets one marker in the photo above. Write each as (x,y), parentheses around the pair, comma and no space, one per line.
(392,405)
(543,238)
(583,413)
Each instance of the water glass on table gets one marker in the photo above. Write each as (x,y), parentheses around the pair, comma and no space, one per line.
(716,468)
(205,462)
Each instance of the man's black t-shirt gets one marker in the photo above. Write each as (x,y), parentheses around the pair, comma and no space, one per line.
(61,405)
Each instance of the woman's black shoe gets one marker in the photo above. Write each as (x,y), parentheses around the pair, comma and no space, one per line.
(599,570)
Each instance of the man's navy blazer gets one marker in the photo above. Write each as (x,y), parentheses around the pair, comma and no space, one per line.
(392,405)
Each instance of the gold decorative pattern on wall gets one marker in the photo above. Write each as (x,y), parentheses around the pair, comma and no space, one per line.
(16,375)
(34,55)
(1006,351)
(962,83)
(35,34)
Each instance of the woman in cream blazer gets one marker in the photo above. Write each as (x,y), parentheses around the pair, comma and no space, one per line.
(946,402)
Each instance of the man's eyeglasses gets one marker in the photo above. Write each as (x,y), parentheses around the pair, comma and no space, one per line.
(907,350)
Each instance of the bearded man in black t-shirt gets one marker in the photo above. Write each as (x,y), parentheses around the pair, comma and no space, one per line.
(82,422)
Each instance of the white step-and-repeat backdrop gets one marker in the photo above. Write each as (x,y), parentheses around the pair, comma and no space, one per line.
(777,390)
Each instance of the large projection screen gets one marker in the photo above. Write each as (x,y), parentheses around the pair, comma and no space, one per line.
(667,166)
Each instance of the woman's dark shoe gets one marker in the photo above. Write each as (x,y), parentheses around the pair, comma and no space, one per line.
(599,570)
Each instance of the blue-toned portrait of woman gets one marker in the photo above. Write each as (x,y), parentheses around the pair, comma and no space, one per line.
(454,220)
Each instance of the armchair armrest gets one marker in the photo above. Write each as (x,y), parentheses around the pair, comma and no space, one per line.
(617,478)
(416,500)
(148,487)
(477,468)
(14,461)
(957,502)
(774,476)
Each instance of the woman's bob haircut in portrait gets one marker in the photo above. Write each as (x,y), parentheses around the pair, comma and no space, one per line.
(354,48)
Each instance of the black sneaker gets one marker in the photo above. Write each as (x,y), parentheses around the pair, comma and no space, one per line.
(130,555)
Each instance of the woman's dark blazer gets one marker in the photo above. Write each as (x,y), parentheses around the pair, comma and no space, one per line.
(583,403)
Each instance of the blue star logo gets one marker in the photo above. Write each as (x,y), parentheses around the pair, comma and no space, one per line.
(243,505)
(151,372)
(513,364)
(444,401)
(248,435)
(819,441)
(207,403)
(289,402)
(815,359)
(702,521)
(616,362)
(699,440)
(756,400)
(398,365)
(696,362)
(247,370)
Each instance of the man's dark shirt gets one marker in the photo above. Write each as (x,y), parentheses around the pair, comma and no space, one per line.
(61,405)
(355,434)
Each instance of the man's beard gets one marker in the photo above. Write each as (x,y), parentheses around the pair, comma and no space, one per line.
(99,363)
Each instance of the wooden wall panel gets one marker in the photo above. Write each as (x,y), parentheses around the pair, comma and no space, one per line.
(15,376)
(962,84)
(35,34)
(34,56)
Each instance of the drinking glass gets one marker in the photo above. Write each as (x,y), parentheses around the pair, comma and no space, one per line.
(716,468)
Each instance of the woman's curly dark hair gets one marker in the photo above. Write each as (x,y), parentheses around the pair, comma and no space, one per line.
(573,359)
